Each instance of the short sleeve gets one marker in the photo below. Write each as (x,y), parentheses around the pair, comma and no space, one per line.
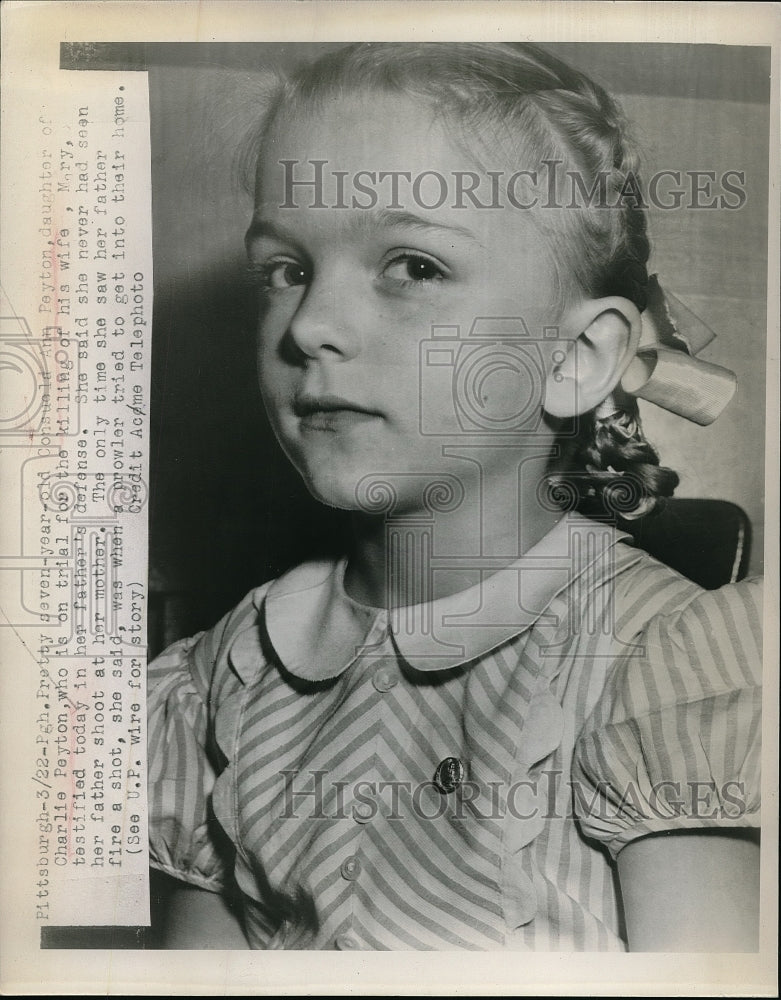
(184,840)
(674,742)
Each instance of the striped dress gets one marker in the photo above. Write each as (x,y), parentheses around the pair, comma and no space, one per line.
(458,775)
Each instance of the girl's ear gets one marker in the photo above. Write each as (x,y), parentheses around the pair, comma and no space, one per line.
(603,336)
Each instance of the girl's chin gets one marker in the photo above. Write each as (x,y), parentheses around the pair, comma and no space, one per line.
(361,490)
(340,492)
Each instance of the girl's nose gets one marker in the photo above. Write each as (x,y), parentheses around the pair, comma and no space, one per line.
(325,322)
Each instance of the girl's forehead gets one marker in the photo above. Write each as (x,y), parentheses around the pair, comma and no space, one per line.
(377,132)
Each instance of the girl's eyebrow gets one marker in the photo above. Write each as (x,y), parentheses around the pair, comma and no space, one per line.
(401,217)
(380,217)
(264,228)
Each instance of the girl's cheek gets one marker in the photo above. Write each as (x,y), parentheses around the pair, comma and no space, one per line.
(277,314)
(267,350)
(271,327)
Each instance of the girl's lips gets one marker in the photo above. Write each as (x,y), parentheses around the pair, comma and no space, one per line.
(335,420)
(331,413)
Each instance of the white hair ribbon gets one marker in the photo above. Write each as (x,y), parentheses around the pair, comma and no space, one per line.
(666,370)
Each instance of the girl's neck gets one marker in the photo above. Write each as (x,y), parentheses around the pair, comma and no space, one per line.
(390,560)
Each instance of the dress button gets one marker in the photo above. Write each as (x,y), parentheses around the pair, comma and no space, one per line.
(385,679)
(449,774)
(351,868)
(347,942)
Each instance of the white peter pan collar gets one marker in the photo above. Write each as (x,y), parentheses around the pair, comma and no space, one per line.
(317,631)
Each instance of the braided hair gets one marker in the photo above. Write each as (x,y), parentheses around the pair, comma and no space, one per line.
(518,97)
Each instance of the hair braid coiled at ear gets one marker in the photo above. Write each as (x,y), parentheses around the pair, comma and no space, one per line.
(611,467)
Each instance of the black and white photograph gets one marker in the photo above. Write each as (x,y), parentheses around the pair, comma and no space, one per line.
(390,557)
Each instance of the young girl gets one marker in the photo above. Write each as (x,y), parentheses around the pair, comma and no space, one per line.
(494,723)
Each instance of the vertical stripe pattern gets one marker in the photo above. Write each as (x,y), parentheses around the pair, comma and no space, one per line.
(567,733)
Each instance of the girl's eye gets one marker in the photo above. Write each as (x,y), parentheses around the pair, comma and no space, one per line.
(413,269)
(279,274)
